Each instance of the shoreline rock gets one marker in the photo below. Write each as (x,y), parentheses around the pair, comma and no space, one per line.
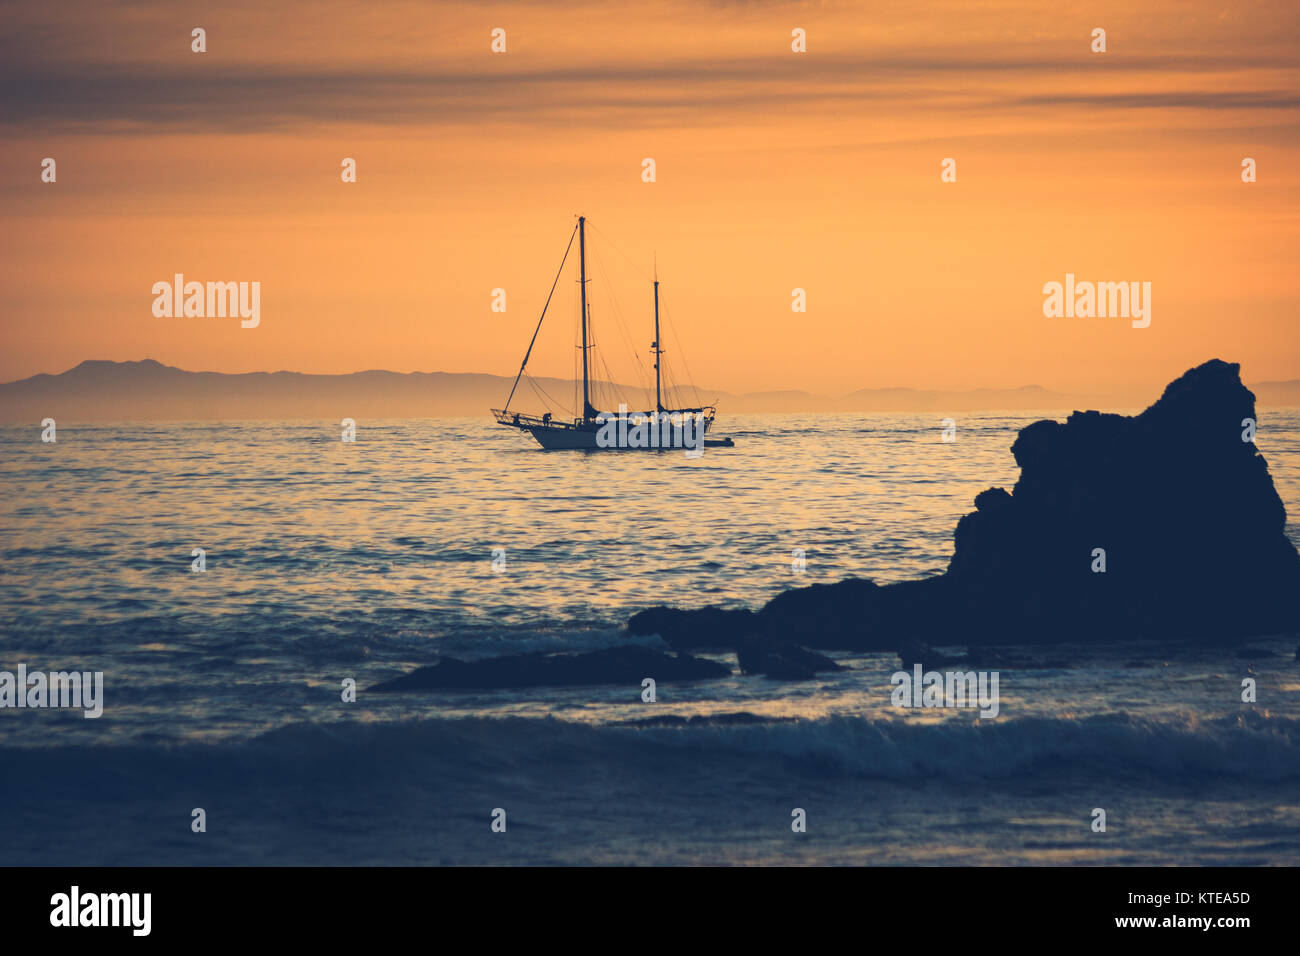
(781,660)
(617,665)
(1179,510)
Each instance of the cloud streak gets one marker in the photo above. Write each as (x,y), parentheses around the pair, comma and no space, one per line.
(117,97)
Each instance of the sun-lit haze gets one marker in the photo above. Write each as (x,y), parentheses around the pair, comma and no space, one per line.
(775,170)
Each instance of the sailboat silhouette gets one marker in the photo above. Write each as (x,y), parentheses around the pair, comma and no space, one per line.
(667,427)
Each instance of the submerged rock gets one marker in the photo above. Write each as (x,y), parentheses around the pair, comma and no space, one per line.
(912,653)
(617,665)
(1164,524)
(683,630)
(780,660)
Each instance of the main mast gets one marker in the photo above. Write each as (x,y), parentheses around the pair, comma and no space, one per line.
(582,268)
(659,404)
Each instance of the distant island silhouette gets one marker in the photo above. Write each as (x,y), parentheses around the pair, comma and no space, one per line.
(104,391)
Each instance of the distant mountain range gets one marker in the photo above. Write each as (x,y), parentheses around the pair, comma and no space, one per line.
(101,391)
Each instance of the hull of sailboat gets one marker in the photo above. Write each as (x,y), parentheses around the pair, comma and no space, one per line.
(561,439)
(584,439)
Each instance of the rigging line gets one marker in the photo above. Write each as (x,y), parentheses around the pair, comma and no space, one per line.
(622,326)
(524,363)
(537,388)
(575,306)
(610,388)
(601,391)
(633,264)
(545,394)
(675,391)
(594,360)
(645,374)
(613,386)
(619,251)
(690,377)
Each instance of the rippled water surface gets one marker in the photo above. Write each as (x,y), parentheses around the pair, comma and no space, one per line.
(328,560)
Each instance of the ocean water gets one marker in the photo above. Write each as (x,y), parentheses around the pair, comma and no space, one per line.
(327,561)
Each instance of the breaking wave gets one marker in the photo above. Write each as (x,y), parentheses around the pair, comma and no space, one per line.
(1250,747)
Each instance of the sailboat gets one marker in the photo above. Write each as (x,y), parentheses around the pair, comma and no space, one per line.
(593,430)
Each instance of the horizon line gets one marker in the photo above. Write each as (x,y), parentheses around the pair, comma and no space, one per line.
(759,391)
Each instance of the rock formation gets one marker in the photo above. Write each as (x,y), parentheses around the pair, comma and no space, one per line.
(1176,504)
(780,660)
(618,665)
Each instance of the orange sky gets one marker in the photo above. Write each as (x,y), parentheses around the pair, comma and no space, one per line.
(775,171)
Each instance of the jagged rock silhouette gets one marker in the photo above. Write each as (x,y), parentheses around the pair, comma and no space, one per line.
(1192,530)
